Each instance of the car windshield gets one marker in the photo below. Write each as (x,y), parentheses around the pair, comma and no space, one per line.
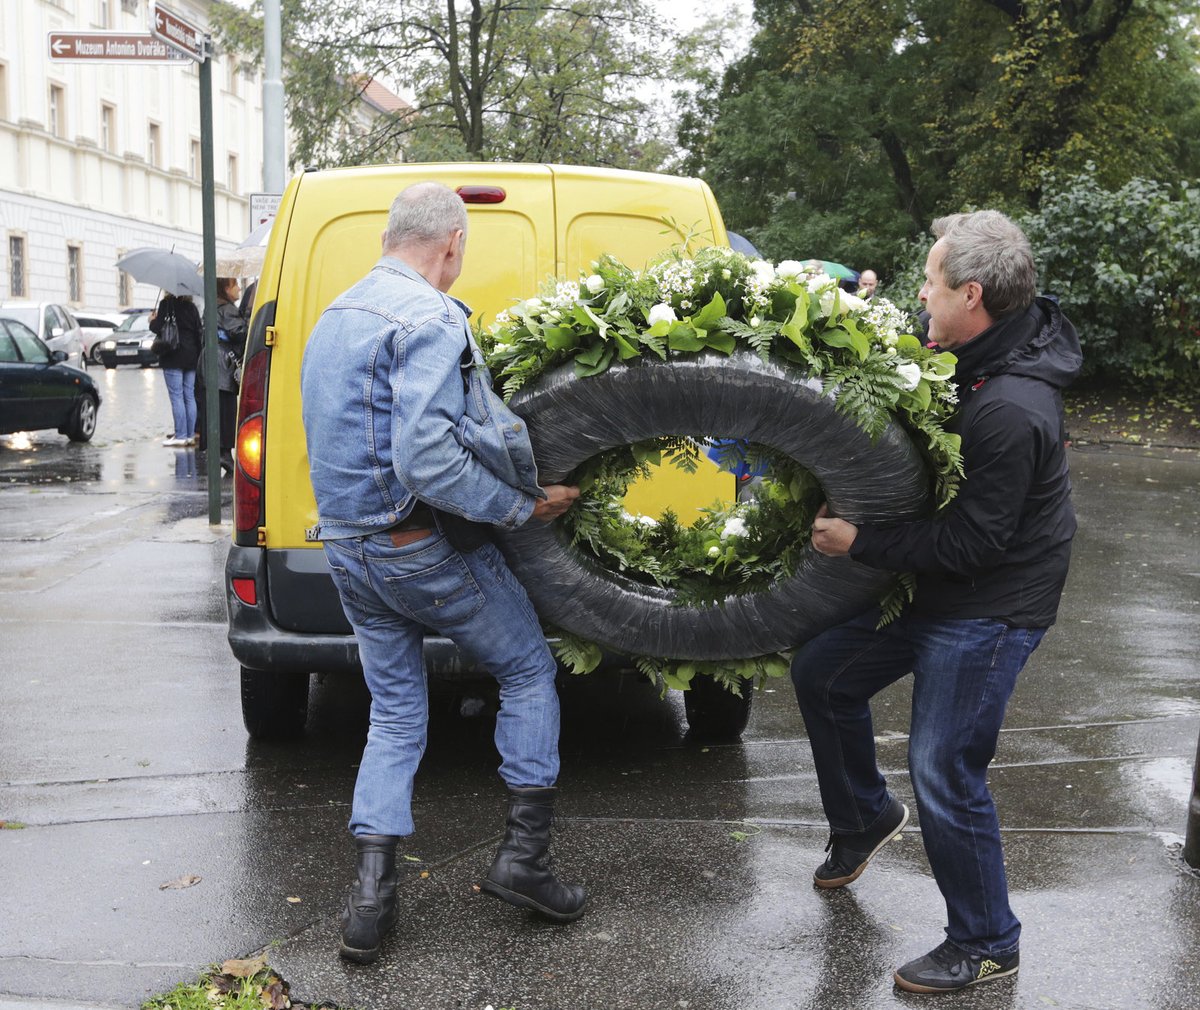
(135,323)
(28,314)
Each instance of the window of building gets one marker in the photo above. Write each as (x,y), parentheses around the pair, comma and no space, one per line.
(108,128)
(104,13)
(16,266)
(74,274)
(233,173)
(154,145)
(124,287)
(129,6)
(3,91)
(57,120)
(231,75)
(194,159)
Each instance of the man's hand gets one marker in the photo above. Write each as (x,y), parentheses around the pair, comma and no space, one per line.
(559,498)
(832,537)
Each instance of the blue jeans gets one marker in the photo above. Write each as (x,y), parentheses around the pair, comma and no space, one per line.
(390,595)
(963,674)
(181,388)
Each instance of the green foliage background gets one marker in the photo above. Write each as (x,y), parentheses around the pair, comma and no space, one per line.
(851,124)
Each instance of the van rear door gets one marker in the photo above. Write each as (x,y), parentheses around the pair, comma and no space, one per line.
(634,215)
(638,217)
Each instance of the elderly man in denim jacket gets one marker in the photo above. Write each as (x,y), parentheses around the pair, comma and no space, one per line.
(411,456)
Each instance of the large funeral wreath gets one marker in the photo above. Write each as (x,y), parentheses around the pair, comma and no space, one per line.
(829,396)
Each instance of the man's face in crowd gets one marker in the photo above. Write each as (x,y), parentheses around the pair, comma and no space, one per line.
(867,282)
(949,322)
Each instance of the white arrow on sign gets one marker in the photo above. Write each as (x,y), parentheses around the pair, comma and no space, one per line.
(59,46)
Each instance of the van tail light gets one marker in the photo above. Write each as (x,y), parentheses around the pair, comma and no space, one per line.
(247,478)
(481,194)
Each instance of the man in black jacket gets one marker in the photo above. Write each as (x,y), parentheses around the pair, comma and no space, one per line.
(990,570)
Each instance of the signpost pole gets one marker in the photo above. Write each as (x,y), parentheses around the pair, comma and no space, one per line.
(212,405)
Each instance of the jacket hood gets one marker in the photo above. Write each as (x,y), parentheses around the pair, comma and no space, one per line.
(1039,342)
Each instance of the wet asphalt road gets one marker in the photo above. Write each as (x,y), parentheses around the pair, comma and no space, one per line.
(122,750)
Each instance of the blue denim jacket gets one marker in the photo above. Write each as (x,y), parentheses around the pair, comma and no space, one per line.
(398,406)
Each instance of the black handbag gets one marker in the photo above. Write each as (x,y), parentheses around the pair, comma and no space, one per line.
(167,341)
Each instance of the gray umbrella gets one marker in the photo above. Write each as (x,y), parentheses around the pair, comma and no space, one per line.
(170,271)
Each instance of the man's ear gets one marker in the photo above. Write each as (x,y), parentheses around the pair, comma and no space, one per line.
(974,295)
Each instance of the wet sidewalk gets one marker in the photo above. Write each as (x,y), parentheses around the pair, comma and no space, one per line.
(698,859)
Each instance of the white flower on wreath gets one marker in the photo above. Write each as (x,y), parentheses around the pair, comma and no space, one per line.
(789,270)
(566,294)
(845,303)
(661,313)
(714,551)
(629,517)
(910,372)
(594,284)
(735,527)
(532,306)
(764,273)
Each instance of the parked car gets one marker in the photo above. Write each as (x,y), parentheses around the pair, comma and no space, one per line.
(128,344)
(95,326)
(53,324)
(39,390)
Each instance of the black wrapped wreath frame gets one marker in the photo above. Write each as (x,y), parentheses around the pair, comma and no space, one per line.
(737,396)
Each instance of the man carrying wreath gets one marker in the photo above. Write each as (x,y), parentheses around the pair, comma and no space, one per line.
(989,573)
(412,457)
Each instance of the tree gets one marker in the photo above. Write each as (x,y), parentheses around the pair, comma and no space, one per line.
(851,123)
(514,80)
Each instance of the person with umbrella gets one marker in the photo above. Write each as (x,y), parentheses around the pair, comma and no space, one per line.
(179,363)
(231,345)
(176,324)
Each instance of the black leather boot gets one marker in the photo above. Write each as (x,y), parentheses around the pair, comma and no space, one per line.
(371,904)
(521,872)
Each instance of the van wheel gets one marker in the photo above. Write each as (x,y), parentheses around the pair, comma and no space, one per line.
(274,703)
(714,712)
(82,425)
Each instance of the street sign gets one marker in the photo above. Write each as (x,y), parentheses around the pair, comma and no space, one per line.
(83,47)
(263,207)
(173,30)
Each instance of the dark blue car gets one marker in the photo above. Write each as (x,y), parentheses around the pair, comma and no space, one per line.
(38,391)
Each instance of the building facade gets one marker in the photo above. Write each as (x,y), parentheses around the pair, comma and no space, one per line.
(99,158)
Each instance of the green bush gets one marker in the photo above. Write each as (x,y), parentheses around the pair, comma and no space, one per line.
(1125,265)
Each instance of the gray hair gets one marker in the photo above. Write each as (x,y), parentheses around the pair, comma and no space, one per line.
(987,247)
(424,213)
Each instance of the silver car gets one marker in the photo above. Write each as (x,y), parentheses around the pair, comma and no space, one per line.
(51,323)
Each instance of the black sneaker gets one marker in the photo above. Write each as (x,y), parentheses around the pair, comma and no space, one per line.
(949,967)
(849,854)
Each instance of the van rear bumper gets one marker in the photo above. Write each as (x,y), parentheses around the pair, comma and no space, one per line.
(259,643)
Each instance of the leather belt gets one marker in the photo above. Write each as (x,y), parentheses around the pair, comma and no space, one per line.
(415,526)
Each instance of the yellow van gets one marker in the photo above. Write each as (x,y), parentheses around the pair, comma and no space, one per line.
(528,223)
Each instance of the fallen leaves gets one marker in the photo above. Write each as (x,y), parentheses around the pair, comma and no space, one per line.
(179,883)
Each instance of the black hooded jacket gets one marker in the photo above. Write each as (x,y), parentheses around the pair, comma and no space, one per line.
(1001,549)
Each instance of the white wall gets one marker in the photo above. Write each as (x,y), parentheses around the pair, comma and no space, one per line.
(60,190)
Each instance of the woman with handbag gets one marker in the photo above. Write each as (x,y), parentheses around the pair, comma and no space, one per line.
(176,326)
(231,345)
